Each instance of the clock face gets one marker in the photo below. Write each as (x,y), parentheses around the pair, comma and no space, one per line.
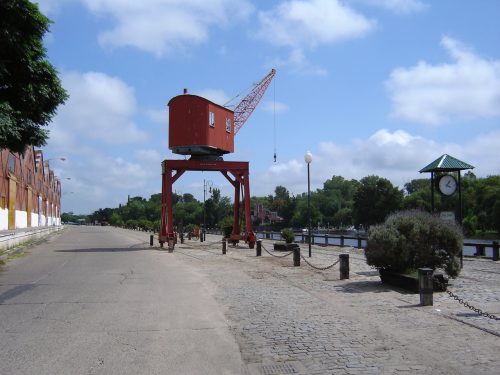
(447,185)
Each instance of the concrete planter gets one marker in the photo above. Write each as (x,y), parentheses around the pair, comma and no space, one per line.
(410,283)
(285,246)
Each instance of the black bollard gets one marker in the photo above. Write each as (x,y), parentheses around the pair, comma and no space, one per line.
(296,256)
(189,236)
(425,286)
(341,241)
(151,240)
(258,248)
(495,251)
(344,266)
(224,247)
(201,236)
(480,250)
(359,242)
(182,237)
(326,239)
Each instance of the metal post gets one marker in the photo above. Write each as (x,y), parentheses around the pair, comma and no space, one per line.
(151,240)
(344,266)
(296,256)
(425,286)
(309,207)
(224,247)
(259,248)
(359,242)
(341,241)
(204,207)
(495,250)
(326,239)
(201,235)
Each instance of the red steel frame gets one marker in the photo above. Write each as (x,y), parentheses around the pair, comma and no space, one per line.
(236,172)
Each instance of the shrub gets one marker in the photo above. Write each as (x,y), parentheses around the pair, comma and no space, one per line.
(288,235)
(469,225)
(409,240)
(226,224)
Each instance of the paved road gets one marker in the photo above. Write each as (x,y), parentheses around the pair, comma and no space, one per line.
(100,301)
(94,300)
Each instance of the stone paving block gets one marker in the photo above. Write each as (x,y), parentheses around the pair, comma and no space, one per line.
(355,325)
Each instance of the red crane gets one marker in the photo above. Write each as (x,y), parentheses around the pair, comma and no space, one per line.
(206,130)
(246,107)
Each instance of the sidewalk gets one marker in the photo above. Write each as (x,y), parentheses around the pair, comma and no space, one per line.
(12,238)
(303,321)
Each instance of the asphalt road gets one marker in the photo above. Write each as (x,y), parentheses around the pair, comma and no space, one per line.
(98,300)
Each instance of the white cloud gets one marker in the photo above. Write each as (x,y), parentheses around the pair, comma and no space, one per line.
(397,156)
(399,6)
(214,95)
(309,23)
(95,130)
(49,6)
(100,180)
(152,156)
(436,94)
(272,107)
(159,116)
(163,26)
(298,63)
(100,108)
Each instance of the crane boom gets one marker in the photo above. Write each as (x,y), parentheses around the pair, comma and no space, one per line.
(245,108)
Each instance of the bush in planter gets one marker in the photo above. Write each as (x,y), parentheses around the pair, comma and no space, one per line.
(409,240)
(226,224)
(288,235)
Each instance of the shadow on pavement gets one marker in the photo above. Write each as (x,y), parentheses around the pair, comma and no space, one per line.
(14,292)
(369,286)
(103,250)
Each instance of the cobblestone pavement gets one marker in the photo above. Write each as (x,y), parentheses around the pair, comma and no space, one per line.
(298,320)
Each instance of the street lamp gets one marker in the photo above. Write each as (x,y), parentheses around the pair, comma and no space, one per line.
(308,159)
(206,184)
(46,162)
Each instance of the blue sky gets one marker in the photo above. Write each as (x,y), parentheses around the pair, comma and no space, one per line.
(370,87)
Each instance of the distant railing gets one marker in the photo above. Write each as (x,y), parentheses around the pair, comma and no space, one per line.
(471,248)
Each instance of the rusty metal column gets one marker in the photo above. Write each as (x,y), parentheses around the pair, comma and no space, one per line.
(236,211)
(248,217)
(163,218)
(168,198)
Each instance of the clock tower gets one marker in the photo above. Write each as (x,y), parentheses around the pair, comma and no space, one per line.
(446,177)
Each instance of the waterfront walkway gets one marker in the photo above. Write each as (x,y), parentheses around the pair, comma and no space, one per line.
(301,319)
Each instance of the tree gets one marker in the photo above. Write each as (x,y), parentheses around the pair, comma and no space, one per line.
(375,199)
(30,90)
(409,240)
(283,204)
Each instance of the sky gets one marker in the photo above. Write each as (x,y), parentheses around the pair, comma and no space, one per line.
(369,87)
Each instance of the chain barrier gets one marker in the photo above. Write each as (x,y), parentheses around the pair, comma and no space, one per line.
(276,256)
(475,309)
(319,268)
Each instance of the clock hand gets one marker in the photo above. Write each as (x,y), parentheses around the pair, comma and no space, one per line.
(448,184)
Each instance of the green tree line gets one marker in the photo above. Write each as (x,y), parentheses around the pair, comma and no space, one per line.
(340,203)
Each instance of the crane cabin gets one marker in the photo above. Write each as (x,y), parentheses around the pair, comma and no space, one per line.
(199,127)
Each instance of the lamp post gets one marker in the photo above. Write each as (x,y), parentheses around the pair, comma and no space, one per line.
(206,184)
(308,159)
(46,162)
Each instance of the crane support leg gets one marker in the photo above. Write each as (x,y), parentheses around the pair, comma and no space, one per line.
(240,181)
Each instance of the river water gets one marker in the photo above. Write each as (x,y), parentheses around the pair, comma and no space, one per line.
(320,239)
